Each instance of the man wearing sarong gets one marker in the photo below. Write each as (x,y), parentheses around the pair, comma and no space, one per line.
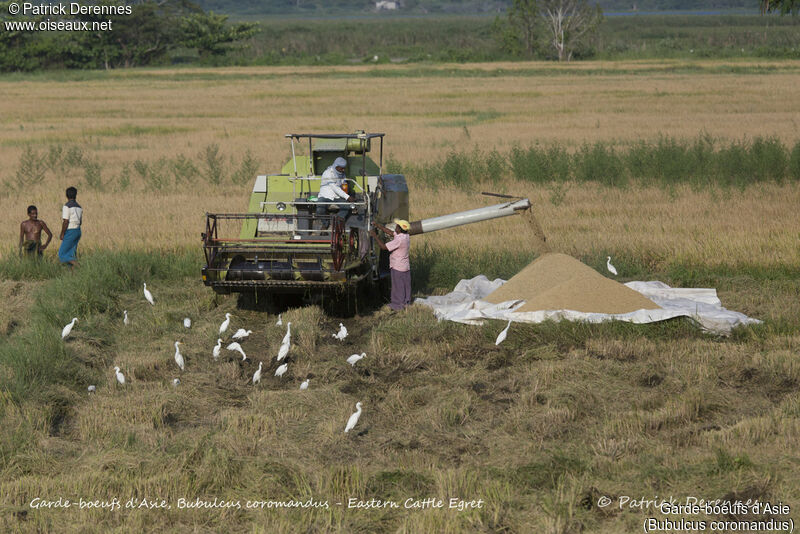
(30,235)
(72,217)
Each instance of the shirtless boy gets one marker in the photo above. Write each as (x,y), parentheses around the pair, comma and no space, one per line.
(30,234)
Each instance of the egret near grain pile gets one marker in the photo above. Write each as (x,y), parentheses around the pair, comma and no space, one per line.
(281,370)
(120,376)
(353,418)
(502,335)
(225,323)
(147,295)
(125,319)
(241,334)
(178,355)
(236,346)
(304,385)
(257,374)
(355,358)
(217,348)
(187,323)
(342,333)
(610,267)
(67,329)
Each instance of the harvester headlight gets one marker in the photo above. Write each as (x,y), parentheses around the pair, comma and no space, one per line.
(281,206)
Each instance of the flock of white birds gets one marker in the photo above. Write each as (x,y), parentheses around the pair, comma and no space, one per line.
(240,335)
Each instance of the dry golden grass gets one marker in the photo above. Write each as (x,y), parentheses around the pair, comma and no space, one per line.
(539,428)
(153,114)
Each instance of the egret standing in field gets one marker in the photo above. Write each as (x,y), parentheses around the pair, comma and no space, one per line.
(304,385)
(179,356)
(187,323)
(120,376)
(610,267)
(280,321)
(281,370)
(355,358)
(353,418)
(217,348)
(257,375)
(342,333)
(283,351)
(92,389)
(67,329)
(176,382)
(288,337)
(125,319)
(236,346)
(502,335)
(147,295)
(241,334)
(225,323)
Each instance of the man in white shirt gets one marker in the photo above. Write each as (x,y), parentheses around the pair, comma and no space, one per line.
(72,218)
(330,189)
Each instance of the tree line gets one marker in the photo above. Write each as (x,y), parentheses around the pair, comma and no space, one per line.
(146,36)
(565,27)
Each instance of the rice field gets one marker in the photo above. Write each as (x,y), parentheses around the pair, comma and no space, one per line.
(539,429)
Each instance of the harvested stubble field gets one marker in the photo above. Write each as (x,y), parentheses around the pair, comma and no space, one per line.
(539,428)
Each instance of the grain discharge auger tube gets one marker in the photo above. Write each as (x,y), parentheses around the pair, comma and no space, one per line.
(292,241)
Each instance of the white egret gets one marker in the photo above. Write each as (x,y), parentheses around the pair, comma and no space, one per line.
(125,319)
(241,334)
(280,321)
(225,323)
(179,356)
(187,323)
(610,267)
(288,337)
(502,335)
(236,346)
(67,329)
(217,349)
(120,376)
(355,357)
(92,389)
(257,375)
(353,418)
(304,385)
(283,351)
(148,295)
(175,382)
(342,333)
(282,369)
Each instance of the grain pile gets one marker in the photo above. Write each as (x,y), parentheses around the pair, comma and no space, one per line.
(556,281)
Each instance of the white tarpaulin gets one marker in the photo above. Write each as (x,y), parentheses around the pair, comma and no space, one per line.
(464,305)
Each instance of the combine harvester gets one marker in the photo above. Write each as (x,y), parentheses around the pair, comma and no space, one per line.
(281,246)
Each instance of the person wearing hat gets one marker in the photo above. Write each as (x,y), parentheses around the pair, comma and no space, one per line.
(399,265)
(330,189)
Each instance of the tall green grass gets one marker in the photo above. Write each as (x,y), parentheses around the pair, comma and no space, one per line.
(666,161)
(35,359)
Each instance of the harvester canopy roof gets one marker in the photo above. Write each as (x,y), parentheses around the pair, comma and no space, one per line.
(336,136)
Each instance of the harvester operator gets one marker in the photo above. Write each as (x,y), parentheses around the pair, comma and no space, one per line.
(331,188)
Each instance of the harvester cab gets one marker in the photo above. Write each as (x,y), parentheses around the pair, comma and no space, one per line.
(292,239)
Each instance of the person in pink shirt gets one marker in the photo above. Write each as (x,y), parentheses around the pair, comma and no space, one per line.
(399,265)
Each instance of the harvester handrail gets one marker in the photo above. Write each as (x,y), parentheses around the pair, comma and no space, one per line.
(315,177)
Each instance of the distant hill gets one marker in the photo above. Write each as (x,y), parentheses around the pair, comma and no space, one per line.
(417,7)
